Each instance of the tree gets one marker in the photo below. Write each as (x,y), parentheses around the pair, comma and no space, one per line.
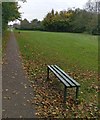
(10,12)
(25,25)
(55,21)
(35,24)
(79,20)
(93,8)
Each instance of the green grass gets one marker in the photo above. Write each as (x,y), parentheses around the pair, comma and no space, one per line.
(5,38)
(65,49)
(76,54)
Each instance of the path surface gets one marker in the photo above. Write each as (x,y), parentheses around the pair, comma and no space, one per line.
(17,91)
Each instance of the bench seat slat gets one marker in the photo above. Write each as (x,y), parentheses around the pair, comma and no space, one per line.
(76,83)
(58,76)
(63,76)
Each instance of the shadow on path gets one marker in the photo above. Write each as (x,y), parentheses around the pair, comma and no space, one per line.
(17,91)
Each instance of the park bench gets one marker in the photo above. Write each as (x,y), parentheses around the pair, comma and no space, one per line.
(64,78)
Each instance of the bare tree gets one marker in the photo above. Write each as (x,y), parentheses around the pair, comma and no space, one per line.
(93,6)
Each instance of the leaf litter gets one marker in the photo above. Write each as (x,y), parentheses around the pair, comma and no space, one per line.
(48,98)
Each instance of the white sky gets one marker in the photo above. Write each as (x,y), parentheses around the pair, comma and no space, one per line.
(39,8)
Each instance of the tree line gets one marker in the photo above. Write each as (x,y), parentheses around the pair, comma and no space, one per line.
(77,20)
(72,20)
(35,24)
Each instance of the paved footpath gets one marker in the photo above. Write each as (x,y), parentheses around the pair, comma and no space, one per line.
(17,90)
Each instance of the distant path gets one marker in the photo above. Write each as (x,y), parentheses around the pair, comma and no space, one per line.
(17,91)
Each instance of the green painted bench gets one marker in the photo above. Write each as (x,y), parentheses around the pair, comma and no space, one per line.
(64,78)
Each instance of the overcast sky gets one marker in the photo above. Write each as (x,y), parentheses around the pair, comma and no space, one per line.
(39,8)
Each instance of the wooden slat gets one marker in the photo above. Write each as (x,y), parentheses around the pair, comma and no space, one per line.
(76,83)
(64,82)
(63,76)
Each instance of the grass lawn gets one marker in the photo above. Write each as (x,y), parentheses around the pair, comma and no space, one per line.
(76,54)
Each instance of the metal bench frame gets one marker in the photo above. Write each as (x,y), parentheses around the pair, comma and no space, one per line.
(64,78)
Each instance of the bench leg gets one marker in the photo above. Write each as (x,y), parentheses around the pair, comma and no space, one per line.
(47,73)
(77,90)
(65,94)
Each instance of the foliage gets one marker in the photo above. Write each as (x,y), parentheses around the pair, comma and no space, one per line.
(78,23)
(77,20)
(57,21)
(25,24)
(77,55)
(33,25)
(10,12)
(71,20)
(93,8)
